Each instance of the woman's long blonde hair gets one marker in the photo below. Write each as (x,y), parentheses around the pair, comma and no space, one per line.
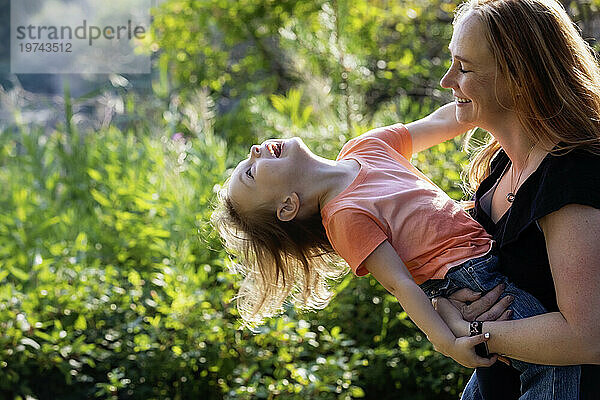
(279,260)
(552,74)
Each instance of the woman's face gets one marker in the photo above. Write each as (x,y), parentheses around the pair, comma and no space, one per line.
(480,90)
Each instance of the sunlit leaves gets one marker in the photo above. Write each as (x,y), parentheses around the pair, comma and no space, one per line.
(290,105)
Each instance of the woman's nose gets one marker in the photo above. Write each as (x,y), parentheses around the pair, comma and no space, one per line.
(255,151)
(447,82)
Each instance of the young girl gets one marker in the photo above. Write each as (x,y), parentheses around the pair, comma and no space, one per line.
(286,212)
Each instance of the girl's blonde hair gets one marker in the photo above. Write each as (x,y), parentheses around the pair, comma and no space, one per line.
(278,260)
(552,75)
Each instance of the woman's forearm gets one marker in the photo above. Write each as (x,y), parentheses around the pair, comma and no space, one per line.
(544,339)
(571,336)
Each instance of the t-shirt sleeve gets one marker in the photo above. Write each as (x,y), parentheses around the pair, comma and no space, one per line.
(396,136)
(354,236)
(573,178)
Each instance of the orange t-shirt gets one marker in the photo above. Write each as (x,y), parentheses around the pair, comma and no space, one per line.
(392,200)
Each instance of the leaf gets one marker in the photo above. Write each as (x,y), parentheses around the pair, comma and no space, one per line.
(18,273)
(306,114)
(278,102)
(52,221)
(43,335)
(95,175)
(155,321)
(80,323)
(80,242)
(100,198)
(335,331)
(3,274)
(134,278)
(355,391)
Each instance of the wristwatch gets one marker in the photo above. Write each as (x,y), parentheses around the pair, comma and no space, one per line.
(481,349)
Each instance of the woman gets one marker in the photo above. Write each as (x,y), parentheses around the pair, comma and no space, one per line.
(534,84)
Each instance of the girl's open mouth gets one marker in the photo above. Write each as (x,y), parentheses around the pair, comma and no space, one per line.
(275,148)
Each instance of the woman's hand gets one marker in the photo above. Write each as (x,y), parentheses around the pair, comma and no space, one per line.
(436,128)
(466,305)
(473,306)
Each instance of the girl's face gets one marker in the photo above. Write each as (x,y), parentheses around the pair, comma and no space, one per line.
(272,171)
(480,90)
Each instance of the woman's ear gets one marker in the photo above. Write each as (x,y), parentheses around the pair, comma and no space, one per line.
(289,207)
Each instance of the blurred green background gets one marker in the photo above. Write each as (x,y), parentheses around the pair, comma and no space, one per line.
(113,284)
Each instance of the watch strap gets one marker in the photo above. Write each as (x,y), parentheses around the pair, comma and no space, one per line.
(481,349)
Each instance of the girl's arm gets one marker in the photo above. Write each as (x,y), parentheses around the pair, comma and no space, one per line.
(571,336)
(385,265)
(437,127)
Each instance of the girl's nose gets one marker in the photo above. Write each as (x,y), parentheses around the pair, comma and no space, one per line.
(255,151)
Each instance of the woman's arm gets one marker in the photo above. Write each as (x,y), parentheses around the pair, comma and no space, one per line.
(571,336)
(435,128)
(385,265)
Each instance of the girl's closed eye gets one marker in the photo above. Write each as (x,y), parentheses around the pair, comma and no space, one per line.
(249,173)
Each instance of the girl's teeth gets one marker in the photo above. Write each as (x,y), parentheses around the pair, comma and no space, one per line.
(274,149)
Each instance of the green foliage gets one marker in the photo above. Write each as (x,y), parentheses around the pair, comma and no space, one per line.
(92,224)
(346,57)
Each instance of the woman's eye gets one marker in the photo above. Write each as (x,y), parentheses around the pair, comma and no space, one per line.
(459,66)
(249,173)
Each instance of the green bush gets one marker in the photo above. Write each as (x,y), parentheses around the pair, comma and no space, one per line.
(101,258)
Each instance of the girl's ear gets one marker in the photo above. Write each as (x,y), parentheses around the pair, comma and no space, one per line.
(288,208)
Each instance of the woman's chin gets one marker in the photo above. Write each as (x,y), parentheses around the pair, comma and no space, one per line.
(464,118)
